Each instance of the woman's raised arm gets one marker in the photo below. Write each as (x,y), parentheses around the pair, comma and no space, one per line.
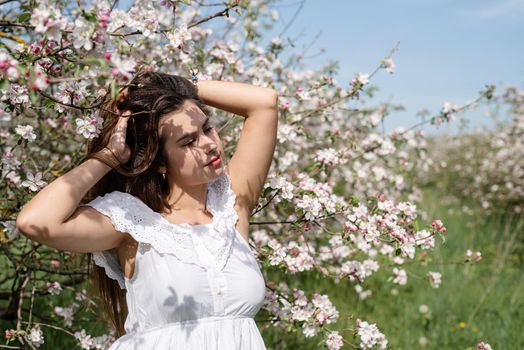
(53,216)
(252,159)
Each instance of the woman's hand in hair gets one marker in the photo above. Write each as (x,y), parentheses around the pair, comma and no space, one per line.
(117,141)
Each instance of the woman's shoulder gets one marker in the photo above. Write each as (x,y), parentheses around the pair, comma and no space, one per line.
(118,198)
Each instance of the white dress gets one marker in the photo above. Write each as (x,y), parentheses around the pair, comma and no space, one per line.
(194,286)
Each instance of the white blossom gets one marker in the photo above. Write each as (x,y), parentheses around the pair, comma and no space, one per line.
(334,341)
(435,278)
(82,34)
(67,313)
(179,36)
(35,336)
(370,336)
(85,341)
(34,182)
(48,20)
(54,287)
(401,277)
(89,126)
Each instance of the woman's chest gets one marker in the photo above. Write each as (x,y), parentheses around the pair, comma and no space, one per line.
(164,284)
(127,251)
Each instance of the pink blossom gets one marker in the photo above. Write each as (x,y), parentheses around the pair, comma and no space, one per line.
(40,83)
(12,74)
(10,334)
(104,20)
(477,256)
(484,346)
(437,122)
(334,341)
(363,79)
(302,95)
(438,226)
(54,287)
(389,65)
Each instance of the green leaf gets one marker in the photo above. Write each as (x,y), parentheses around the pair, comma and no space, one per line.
(91,17)
(354,201)
(3,84)
(33,96)
(96,61)
(114,90)
(490,90)
(443,238)
(398,251)
(24,17)
(267,191)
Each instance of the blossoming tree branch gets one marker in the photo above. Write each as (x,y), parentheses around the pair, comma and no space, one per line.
(339,200)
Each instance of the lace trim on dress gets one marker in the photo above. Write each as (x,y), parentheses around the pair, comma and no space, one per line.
(109,261)
(129,214)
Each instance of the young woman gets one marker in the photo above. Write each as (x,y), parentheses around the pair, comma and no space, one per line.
(166,215)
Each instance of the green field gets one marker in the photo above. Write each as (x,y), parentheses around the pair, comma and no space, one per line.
(476,301)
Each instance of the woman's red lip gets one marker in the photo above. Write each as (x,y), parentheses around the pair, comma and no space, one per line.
(213,160)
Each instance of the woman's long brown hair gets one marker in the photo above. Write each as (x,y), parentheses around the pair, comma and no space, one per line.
(149,96)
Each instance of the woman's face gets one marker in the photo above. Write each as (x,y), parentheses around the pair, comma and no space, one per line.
(190,143)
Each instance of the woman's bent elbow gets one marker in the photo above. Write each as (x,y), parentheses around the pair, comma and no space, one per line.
(21,224)
(29,228)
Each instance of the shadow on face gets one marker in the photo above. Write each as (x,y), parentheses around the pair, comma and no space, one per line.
(190,142)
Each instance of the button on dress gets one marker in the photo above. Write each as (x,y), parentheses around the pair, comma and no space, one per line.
(194,286)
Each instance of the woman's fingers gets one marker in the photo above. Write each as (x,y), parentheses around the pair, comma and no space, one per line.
(117,142)
(121,124)
(125,114)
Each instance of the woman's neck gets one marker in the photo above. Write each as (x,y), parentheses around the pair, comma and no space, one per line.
(188,199)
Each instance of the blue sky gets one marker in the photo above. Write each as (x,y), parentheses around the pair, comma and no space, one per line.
(449,49)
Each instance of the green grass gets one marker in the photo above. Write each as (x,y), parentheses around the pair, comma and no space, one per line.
(476,301)
(485,298)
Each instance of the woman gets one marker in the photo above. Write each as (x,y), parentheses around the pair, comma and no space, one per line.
(168,225)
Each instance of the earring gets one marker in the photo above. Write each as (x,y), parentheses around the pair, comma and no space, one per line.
(164,176)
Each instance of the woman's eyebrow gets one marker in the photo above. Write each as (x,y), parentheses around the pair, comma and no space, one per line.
(185,136)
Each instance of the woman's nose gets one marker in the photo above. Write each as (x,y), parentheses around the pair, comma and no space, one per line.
(209,143)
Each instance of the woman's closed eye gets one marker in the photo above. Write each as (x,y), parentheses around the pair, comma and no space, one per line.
(192,142)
